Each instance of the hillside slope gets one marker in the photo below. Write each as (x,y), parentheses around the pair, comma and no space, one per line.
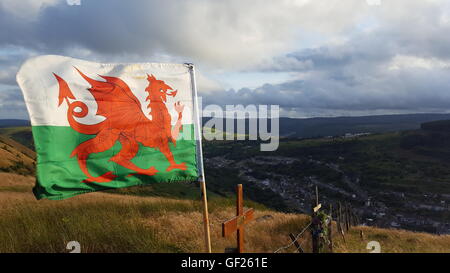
(107,222)
(15,157)
(399,179)
(21,135)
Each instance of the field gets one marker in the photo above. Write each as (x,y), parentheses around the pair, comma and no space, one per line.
(15,157)
(166,217)
(121,222)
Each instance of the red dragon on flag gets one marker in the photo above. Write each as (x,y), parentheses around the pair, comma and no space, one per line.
(124,122)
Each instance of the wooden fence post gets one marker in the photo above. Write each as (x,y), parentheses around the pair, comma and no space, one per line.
(338,222)
(341,218)
(330,230)
(350,211)
(317,196)
(355,222)
(347,218)
(314,229)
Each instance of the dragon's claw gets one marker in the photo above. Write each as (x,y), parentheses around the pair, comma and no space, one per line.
(106,177)
(150,171)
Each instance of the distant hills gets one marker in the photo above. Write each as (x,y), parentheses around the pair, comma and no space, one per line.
(336,126)
(436,126)
(13,123)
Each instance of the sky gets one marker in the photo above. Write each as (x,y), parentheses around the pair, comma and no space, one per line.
(311,57)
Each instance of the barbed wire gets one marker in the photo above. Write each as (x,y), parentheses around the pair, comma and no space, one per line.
(295,240)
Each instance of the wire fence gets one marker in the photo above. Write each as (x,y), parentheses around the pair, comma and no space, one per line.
(321,226)
(294,240)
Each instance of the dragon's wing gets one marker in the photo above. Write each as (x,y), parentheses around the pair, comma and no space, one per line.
(115,101)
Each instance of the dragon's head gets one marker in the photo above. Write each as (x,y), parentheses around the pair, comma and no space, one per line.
(158,90)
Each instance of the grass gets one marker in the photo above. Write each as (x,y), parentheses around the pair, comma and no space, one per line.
(101,227)
(116,223)
(111,222)
(15,157)
(393,241)
(8,141)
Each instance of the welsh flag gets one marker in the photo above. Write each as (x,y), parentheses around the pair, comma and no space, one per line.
(103,126)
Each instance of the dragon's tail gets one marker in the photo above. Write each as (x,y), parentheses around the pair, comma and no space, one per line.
(65,94)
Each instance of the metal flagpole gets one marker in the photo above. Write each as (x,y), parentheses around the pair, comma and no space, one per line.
(199,153)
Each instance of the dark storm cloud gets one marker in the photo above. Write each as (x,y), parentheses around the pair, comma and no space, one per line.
(12,104)
(218,33)
(328,92)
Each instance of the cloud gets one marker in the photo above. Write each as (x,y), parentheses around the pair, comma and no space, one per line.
(403,91)
(10,60)
(8,75)
(400,62)
(26,9)
(220,34)
(345,57)
(12,104)
(397,65)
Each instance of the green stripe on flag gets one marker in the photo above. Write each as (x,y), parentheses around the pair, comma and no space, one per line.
(59,175)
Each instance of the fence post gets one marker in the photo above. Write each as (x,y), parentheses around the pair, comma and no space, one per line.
(314,229)
(347,216)
(338,222)
(317,196)
(350,211)
(330,230)
(350,220)
(355,222)
(341,218)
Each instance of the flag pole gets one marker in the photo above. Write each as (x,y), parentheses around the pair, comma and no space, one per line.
(206,218)
(199,152)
